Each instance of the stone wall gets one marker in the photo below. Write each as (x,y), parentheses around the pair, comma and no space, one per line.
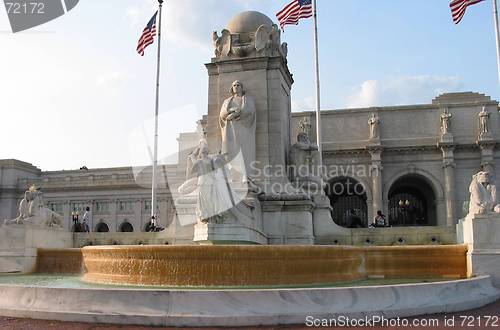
(409,145)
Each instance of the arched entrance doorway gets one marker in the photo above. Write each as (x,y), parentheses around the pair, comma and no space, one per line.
(102,227)
(412,202)
(348,200)
(126,227)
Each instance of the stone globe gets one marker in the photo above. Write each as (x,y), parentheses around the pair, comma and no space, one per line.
(248,22)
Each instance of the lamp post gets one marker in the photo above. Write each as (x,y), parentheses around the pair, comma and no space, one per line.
(404,206)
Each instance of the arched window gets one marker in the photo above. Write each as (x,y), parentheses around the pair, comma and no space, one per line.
(412,202)
(348,200)
(102,227)
(126,227)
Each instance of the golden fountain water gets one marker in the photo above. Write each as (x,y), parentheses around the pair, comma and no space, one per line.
(205,266)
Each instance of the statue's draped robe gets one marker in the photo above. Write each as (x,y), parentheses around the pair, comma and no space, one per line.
(214,196)
(239,134)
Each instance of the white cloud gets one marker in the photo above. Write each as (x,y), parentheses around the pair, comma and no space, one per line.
(141,138)
(111,79)
(52,105)
(401,90)
(188,23)
(138,15)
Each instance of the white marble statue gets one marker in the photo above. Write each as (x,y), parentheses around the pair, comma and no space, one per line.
(238,123)
(33,211)
(214,196)
(305,126)
(483,195)
(445,122)
(374,124)
(209,182)
(484,117)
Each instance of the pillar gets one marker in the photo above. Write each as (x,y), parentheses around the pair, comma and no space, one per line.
(376,174)
(449,183)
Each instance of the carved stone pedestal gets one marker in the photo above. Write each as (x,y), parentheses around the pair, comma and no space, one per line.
(482,234)
(326,231)
(288,219)
(220,234)
(186,210)
(19,244)
(240,225)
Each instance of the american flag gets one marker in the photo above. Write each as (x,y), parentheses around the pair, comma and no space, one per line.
(294,11)
(458,8)
(147,37)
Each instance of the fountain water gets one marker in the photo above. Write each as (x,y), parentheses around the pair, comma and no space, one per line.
(271,266)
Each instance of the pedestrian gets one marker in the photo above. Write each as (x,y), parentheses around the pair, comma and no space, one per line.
(380,220)
(87,216)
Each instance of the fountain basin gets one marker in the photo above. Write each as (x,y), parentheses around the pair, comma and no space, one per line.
(65,299)
(271,266)
(244,285)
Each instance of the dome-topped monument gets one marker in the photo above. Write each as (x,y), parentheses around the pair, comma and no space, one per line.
(248,22)
(249,34)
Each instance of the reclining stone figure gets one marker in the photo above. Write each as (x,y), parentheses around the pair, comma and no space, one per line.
(33,211)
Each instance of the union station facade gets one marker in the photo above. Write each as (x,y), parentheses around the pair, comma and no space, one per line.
(411,172)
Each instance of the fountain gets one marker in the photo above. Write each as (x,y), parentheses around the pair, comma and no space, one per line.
(243,285)
(267,266)
(241,273)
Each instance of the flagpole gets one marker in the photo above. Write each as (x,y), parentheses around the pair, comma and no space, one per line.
(497,35)
(155,156)
(318,90)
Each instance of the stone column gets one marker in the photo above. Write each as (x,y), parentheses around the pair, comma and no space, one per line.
(162,211)
(449,183)
(68,221)
(113,216)
(137,221)
(376,173)
(92,210)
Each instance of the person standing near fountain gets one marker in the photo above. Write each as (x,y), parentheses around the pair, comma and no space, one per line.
(238,123)
(87,219)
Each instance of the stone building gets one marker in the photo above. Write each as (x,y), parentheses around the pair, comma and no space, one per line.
(414,163)
(120,201)
(410,161)
(414,171)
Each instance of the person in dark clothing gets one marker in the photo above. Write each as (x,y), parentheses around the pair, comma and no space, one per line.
(380,220)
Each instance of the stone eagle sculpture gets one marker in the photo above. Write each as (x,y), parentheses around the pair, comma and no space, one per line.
(266,41)
(268,38)
(223,43)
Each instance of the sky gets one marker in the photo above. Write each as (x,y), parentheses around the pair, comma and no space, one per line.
(74,92)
